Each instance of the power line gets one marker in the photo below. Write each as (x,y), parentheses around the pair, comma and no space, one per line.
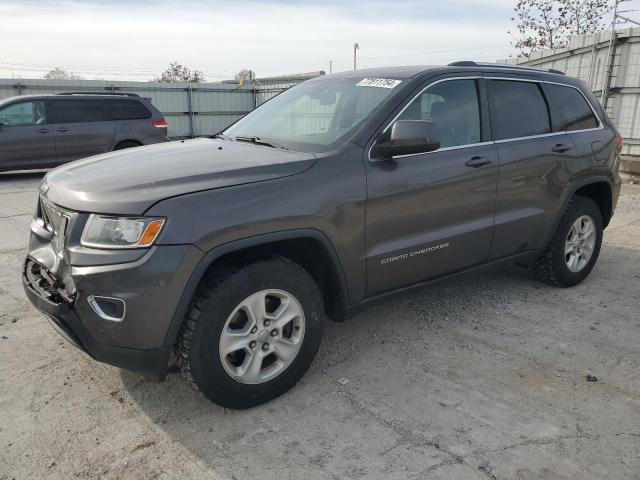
(98,70)
(348,61)
(109,71)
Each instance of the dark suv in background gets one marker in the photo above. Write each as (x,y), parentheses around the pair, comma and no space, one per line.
(332,195)
(42,131)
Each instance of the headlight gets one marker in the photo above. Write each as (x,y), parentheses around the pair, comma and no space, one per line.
(102,231)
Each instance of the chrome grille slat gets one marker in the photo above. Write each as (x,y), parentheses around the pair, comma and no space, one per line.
(55,220)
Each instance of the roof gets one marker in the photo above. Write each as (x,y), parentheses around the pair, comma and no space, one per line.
(66,95)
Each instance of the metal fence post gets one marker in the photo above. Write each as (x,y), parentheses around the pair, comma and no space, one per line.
(190,103)
(255,97)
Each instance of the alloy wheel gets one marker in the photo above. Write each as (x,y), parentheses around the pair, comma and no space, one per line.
(262,336)
(580,243)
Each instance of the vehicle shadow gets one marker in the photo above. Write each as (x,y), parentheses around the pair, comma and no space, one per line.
(21,180)
(325,427)
(440,378)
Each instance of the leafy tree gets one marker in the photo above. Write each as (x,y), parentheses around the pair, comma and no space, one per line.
(61,74)
(180,74)
(545,24)
(243,76)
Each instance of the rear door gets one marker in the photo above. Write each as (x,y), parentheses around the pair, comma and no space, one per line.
(26,139)
(81,127)
(431,214)
(533,165)
(572,112)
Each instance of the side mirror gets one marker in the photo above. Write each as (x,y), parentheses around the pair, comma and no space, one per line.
(409,137)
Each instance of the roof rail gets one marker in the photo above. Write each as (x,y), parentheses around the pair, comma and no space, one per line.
(469,63)
(120,94)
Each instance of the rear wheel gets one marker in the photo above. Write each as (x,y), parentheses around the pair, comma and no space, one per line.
(127,144)
(251,332)
(575,245)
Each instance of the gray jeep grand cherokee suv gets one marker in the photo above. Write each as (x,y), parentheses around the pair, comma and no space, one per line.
(231,251)
(43,131)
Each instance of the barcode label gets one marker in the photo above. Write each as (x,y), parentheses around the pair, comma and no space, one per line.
(378,82)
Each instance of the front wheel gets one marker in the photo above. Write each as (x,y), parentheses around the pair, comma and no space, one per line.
(575,245)
(251,332)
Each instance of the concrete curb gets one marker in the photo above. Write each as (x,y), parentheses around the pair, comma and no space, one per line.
(630,169)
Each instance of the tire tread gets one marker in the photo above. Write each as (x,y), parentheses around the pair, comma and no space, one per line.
(212,287)
(548,266)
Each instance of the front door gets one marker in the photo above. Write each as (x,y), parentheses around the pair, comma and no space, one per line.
(431,214)
(26,141)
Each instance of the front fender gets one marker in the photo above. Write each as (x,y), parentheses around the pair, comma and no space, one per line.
(235,246)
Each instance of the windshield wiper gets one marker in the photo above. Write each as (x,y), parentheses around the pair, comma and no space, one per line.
(221,136)
(260,141)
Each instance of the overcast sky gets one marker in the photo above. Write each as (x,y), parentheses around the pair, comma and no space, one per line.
(136,39)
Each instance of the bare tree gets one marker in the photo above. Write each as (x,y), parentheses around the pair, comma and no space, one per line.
(586,16)
(180,74)
(550,23)
(61,74)
(244,75)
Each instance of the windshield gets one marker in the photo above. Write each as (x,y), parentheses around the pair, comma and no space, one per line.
(315,116)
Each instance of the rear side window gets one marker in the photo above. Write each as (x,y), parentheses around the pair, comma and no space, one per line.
(519,109)
(127,110)
(75,111)
(569,109)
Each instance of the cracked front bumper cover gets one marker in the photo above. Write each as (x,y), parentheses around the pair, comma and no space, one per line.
(45,296)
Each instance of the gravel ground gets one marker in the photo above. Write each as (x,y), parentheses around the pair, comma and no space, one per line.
(481,377)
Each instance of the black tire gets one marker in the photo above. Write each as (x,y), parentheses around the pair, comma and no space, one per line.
(197,350)
(127,144)
(551,267)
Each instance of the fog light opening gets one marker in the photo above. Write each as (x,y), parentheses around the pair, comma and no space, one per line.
(108,308)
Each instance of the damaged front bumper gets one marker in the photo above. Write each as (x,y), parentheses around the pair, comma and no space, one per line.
(59,309)
(63,279)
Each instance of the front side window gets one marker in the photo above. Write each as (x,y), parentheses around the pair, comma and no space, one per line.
(519,109)
(453,107)
(23,113)
(569,109)
(316,116)
(76,111)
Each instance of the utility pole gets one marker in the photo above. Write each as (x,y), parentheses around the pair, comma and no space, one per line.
(330,67)
(356,47)
(606,77)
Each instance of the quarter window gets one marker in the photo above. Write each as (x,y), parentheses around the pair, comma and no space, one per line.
(453,107)
(127,110)
(519,109)
(569,109)
(23,113)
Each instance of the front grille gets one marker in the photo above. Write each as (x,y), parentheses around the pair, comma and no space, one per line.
(52,215)
(55,219)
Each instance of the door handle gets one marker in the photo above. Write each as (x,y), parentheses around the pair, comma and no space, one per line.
(45,130)
(560,148)
(477,162)
(62,129)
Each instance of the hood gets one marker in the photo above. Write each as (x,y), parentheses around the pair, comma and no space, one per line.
(130,181)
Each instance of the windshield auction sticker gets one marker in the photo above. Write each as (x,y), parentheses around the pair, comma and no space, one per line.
(378,82)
